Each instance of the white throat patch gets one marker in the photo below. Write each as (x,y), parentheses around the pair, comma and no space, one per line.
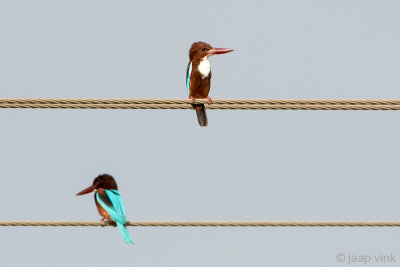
(204,68)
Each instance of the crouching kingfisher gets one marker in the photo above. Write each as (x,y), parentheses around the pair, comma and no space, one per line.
(198,76)
(109,203)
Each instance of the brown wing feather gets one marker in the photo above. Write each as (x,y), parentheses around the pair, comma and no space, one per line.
(199,88)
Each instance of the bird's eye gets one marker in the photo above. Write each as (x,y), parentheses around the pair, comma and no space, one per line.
(204,49)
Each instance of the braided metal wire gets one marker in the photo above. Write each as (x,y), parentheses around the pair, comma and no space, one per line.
(207,224)
(241,104)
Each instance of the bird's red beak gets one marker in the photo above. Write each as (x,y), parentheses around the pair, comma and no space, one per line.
(217,51)
(87,190)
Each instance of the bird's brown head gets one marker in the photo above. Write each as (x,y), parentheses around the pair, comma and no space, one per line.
(201,49)
(103,181)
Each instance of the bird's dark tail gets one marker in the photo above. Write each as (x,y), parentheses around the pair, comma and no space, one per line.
(201,114)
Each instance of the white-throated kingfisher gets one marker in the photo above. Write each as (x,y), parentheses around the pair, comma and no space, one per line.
(109,203)
(198,75)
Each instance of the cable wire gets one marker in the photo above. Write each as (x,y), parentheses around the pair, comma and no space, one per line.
(240,104)
(208,223)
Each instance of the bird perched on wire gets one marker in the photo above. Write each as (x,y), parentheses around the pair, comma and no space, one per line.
(198,75)
(109,203)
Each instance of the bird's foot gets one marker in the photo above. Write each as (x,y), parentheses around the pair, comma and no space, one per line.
(108,222)
(209,100)
(192,98)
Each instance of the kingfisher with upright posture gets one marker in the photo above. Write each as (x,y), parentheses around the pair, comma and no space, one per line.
(109,203)
(198,76)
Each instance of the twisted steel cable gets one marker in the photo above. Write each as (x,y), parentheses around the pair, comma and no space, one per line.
(243,104)
(208,223)
(240,104)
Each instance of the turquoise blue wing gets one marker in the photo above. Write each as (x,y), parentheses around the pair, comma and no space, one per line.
(188,74)
(113,205)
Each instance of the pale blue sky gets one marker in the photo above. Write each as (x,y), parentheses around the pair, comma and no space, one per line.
(249,165)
